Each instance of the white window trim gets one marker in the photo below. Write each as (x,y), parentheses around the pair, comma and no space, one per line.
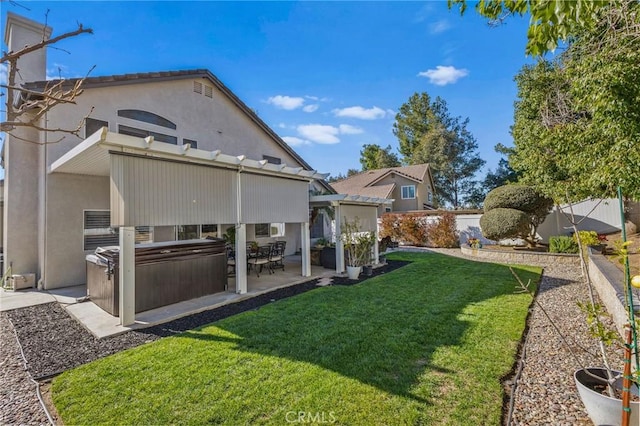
(402,192)
(175,230)
(280,230)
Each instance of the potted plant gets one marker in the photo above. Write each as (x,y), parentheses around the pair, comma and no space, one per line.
(474,243)
(358,245)
(328,256)
(605,392)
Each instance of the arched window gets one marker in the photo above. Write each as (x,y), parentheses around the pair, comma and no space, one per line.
(147,117)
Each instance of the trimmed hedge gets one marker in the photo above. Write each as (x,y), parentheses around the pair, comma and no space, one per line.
(518,197)
(501,223)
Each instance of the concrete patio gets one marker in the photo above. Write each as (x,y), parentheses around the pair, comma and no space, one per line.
(101,324)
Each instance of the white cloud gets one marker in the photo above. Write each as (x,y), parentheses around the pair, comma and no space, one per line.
(286,102)
(319,133)
(422,14)
(360,112)
(443,75)
(282,125)
(293,141)
(439,26)
(317,99)
(346,129)
(310,108)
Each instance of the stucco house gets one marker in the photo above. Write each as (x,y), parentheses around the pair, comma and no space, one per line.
(162,156)
(411,187)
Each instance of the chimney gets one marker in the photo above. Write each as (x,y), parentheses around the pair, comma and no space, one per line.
(21,32)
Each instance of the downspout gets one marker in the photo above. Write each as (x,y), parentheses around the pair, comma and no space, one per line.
(44,209)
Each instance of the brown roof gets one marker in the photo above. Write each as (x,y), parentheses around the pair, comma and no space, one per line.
(364,183)
(137,78)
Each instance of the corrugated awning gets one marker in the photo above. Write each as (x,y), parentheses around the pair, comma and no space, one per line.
(333,199)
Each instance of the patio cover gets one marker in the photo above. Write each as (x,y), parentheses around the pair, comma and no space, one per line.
(350,207)
(155,184)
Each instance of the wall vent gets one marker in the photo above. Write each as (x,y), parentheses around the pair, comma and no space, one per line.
(208,91)
(197,87)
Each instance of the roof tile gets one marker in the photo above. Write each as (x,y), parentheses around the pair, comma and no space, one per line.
(364,183)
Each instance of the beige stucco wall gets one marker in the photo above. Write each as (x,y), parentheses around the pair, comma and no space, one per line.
(215,123)
(67,198)
(42,228)
(400,205)
(20,211)
(45,218)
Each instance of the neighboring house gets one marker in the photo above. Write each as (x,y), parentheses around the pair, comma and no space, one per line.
(174,154)
(411,187)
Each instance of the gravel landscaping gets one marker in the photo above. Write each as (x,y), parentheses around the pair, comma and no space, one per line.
(544,392)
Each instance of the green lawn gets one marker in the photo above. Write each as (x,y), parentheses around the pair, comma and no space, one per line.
(424,344)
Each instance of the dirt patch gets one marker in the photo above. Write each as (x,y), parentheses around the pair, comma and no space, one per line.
(634,251)
(45,391)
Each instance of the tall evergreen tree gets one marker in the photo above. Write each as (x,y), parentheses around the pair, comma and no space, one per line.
(428,134)
(373,157)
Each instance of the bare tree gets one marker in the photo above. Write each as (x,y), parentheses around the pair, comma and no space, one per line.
(25,107)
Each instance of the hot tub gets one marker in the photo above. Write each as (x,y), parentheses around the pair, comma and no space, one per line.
(166,273)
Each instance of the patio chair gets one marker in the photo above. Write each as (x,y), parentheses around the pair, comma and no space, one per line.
(260,259)
(231,261)
(276,255)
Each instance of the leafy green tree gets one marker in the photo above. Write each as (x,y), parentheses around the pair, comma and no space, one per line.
(550,21)
(428,134)
(416,118)
(502,175)
(577,119)
(373,157)
(340,176)
(506,206)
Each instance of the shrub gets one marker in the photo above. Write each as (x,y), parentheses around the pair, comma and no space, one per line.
(588,238)
(518,197)
(521,198)
(562,244)
(412,230)
(443,233)
(502,223)
(390,227)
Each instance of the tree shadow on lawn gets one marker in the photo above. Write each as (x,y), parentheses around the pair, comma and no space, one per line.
(382,332)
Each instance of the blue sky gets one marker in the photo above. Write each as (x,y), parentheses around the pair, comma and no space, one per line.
(328,77)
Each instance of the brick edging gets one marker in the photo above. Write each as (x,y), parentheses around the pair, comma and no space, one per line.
(512,256)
